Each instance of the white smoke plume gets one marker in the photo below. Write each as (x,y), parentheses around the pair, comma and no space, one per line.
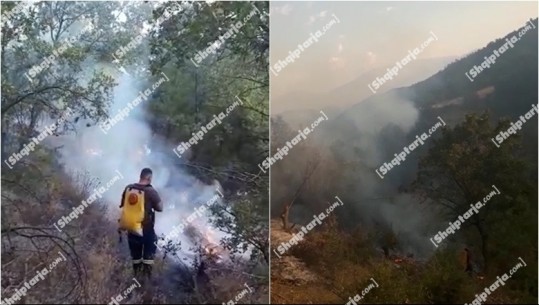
(128,147)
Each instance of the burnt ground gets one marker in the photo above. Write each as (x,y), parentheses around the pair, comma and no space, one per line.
(291,280)
(174,282)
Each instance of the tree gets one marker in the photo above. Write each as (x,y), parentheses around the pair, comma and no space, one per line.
(461,168)
(309,170)
(65,39)
(236,74)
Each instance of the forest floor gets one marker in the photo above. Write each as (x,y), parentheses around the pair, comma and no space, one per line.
(291,280)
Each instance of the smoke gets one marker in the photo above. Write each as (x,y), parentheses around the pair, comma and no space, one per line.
(382,126)
(367,135)
(129,146)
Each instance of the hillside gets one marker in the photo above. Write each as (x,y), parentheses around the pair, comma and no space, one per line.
(93,95)
(386,227)
(506,90)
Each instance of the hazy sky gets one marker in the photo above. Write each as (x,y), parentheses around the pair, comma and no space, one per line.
(373,34)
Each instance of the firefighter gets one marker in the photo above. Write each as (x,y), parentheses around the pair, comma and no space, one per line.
(141,235)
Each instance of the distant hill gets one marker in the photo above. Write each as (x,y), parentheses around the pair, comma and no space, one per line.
(357,90)
(507,89)
(377,127)
(417,70)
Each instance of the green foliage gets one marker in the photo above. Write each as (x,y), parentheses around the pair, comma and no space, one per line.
(80,78)
(246,223)
(234,148)
(461,168)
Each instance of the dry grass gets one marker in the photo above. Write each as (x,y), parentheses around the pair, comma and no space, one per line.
(97,267)
(344,264)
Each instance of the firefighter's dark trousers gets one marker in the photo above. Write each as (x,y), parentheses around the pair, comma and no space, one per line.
(143,250)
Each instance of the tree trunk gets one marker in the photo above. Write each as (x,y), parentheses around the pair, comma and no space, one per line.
(484,241)
(197,106)
(284,218)
(4,138)
(265,253)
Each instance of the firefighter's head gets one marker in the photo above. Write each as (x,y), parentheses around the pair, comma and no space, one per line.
(146,176)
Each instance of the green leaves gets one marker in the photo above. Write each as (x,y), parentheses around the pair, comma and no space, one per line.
(461,168)
(201,90)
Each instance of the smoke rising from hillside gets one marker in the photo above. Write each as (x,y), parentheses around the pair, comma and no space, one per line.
(128,147)
(368,135)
